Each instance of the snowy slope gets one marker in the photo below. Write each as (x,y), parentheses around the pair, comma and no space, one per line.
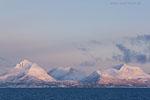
(92,78)
(26,70)
(67,74)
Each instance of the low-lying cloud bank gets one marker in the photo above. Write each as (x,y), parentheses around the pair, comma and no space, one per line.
(128,52)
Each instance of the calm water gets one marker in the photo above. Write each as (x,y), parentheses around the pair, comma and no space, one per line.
(75,94)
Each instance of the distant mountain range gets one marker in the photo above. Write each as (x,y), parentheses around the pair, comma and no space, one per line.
(30,75)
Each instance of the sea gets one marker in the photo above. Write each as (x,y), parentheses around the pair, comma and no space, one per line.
(75,94)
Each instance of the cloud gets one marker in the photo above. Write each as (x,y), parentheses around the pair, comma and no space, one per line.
(145,38)
(88,44)
(5,64)
(2,59)
(84,49)
(129,55)
(87,64)
(117,57)
(95,42)
(126,53)
(141,58)
(133,49)
(90,63)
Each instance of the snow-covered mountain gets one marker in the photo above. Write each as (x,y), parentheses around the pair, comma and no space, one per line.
(124,71)
(118,75)
(26,71)
(67,74)
(28,74)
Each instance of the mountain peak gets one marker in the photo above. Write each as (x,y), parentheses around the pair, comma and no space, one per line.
(118,67)
(73,70)
(24,64)
(98,72)
(25,61)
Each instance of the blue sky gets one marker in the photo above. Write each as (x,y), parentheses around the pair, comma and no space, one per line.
(69,32)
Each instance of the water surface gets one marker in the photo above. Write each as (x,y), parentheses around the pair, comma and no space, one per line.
(75,94)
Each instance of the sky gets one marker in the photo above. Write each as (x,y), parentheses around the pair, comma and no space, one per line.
(85,34)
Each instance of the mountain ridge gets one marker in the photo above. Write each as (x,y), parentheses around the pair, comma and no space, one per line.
(28,74)
(26,69)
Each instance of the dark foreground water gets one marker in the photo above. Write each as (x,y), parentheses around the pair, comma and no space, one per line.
(76,94)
